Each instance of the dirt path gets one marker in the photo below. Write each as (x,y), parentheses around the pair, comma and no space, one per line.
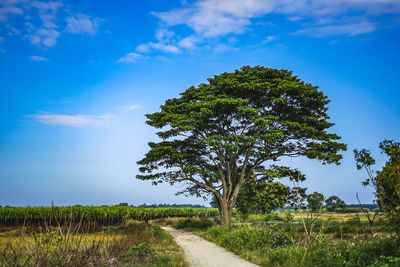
(202,253)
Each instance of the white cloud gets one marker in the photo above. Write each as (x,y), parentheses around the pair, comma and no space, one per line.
(269,39)
(38,58)
(130,107)
(47,12)
(39,21)
(164,47)
(188,42)
(82,23)
(130,58)
(164,34)
(143,48)
(78,120)
(168,48)
(44,37)
(344,29)
(221,48)
(10,7)
(214,19)
(163,44)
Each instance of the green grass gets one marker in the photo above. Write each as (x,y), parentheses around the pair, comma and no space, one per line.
(268,246)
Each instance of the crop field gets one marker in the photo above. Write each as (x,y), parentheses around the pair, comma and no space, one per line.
(104,215)
(90,236)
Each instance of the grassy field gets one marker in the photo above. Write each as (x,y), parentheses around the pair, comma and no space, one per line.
(304,239)
(285,238)
(131,244)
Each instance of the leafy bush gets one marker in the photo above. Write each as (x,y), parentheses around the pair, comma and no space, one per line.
(194,223)
(157,232)
(247,238)
(141,253)
(273,217)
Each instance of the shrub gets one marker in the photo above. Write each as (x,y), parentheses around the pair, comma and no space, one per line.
(194,223)
(141,253)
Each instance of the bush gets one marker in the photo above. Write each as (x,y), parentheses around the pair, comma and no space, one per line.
(141,253)
(193,223)
(157,232)
(273,217)
(247,238)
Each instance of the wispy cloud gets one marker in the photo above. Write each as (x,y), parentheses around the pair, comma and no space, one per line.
(215,19)
(163,44)
(158,46)
(82,23)
(9,8)
(79,120)
(344,29)
(41,22)
(270,39)
(130,58)
(38,58)
(130,107)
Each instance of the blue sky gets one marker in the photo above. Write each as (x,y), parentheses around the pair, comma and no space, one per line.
(77,78)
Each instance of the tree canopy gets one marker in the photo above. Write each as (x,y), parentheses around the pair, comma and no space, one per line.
(220,135)
(261,197)
(315,201)
(334,202)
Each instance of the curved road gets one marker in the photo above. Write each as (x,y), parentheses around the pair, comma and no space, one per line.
(202,253)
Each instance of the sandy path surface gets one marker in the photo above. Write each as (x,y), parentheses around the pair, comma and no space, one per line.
(200,252)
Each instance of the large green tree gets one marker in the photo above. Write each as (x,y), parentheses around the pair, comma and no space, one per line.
(220,135)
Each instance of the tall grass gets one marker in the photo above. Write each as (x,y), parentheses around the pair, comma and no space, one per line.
(76,245)
(276,246)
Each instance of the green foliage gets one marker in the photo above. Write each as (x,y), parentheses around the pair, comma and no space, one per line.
(140,253)
(247,238)
(261,197)
(276,247)
(157,232)
(315,201)
(193,223)
(333,203)
(274,217)
(217,136)
(388,181)
(385,182)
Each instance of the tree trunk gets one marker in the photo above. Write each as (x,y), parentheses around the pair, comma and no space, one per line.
(225,212)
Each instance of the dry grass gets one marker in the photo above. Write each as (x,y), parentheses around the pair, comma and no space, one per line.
(70,246)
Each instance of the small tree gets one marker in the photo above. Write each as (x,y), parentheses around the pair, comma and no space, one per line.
(261,197)
(333,203)
(315,201)
(220,135)
(385,182)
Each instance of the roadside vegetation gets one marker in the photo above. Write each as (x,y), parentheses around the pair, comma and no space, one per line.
(297,238)
(132,243)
